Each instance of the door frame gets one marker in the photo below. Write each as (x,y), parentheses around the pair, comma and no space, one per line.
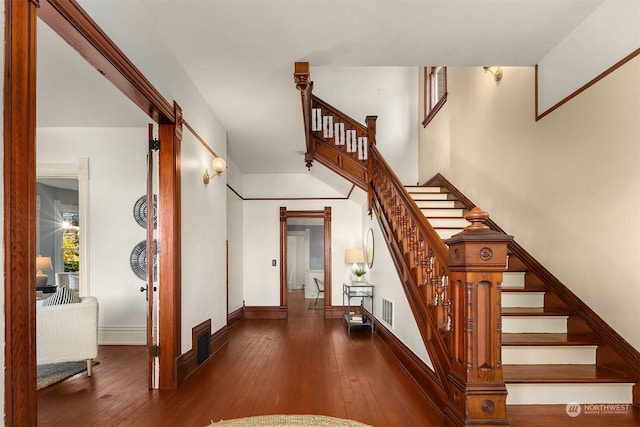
(326,215)
(75,26)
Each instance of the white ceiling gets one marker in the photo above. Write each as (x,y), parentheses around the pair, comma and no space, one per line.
(240,54)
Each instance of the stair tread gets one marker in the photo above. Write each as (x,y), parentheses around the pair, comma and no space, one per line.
(548,339)
(562,374)
(533,311)
(518,290)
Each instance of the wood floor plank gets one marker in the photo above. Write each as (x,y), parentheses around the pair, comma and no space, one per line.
(304,365)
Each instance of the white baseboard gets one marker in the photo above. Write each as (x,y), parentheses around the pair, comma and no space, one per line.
(122,335)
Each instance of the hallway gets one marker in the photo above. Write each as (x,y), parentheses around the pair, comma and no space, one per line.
(305,365)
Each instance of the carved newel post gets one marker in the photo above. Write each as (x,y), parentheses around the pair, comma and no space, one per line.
(477,260)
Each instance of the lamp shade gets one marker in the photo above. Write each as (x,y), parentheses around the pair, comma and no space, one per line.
(43,263)
(219,165)
(353,256)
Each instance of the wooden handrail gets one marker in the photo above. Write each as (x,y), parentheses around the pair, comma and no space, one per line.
(420,256)
(463,345)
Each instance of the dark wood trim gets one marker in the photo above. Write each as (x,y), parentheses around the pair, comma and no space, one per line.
(423,376)
(234,317)
(75,26)
(328,286)
(333,311)
(288,198)
(170,318)
(19,212)
(583,87)
(187,363)
(265,312)
(326,216)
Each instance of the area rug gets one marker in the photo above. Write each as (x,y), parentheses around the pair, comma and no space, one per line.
(55,372)
(316,304)
(288,421)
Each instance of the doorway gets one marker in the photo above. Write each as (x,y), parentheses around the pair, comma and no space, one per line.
(294,228)
(70,21)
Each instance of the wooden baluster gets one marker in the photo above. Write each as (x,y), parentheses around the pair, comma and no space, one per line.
(477,260)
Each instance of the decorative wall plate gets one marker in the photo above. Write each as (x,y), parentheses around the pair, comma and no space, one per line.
(138,261)
(141,211)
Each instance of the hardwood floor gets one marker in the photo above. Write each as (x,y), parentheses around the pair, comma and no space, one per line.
(304,365)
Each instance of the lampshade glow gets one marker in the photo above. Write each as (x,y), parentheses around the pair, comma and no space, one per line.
(354,255)
(43,263)
(219,165)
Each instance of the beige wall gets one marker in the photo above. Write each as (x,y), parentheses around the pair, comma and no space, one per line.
(567,186)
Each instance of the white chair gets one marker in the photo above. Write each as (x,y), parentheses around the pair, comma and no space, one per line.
(67,333)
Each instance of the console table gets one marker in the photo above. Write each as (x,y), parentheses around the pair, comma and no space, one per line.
(364,291)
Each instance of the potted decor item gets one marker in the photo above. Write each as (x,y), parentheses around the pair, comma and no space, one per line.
(359,273)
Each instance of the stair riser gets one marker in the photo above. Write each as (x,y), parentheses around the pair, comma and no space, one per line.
(561,394)
(445,233)
(435,204)
(423,190)
(522,299)
(549,355)
(513,280)
(431,196)
(436,213)
(448,222)
(534,324)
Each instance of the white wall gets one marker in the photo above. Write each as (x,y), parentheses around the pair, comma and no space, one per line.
(608,35)
(160,65)
(384,276)
(567,186)
(391,93)
(204,231)
(262,245)
(235,226)
(117,178)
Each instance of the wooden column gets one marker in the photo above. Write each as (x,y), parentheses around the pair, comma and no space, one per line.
(170,255)
(19,212)
(477,260)
(304,85)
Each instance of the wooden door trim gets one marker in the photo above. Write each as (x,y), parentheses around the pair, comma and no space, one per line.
(324,214)
(19,212)
(79,30)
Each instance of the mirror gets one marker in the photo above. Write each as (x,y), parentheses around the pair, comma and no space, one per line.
(368,247)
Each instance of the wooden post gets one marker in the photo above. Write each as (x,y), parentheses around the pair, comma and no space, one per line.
(304,85)
(371,140)
(477,260)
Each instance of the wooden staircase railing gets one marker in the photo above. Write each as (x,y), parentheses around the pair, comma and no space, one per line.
(456,309)
(333,138)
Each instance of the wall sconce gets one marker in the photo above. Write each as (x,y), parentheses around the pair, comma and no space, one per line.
(42,263)
(219,165)
(495,71)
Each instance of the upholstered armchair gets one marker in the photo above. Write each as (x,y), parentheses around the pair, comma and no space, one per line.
(68,332)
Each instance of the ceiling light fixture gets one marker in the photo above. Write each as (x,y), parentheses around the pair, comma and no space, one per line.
(495,71)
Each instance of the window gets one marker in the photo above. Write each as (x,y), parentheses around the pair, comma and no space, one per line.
(71,242)
(435,91)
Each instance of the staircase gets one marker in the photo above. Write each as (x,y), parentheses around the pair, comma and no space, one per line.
(544,362)
(484,328)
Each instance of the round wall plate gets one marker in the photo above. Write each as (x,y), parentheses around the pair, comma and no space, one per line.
(141,211)
(138,261)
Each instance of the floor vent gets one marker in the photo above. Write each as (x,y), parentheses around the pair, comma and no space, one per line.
(201,340)
(387,312)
